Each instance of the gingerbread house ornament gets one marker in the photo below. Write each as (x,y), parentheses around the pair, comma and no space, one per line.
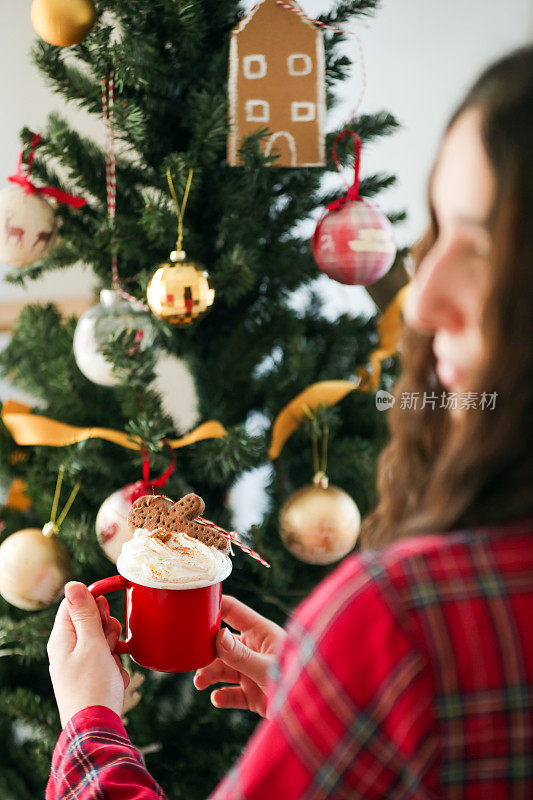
(277,81)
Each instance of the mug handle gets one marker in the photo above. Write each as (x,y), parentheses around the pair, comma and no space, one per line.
(111,585)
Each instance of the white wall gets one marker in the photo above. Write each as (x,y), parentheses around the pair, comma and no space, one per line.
(421,57)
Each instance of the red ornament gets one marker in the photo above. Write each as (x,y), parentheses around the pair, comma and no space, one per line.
(353,242)
(112,528)
(50,191)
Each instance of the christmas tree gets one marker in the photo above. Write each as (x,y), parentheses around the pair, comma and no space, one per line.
(249,356)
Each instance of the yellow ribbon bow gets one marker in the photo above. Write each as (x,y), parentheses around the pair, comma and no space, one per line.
(328,393)
(27,428)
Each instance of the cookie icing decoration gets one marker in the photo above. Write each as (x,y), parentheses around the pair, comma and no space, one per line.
(154,512)
(162,517)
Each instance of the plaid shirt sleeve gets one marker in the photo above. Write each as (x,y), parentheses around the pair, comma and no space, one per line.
(351,714)
(94,757)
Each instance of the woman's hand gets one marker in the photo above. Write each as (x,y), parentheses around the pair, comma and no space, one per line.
(83,669)
(244,659)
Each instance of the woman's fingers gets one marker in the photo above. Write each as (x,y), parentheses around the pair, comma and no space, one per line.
(235,654)
(114,625)
(125,675)
(241,616)
(215,672)
(103,607)
(107,624)
(112,630)
(110,625)
(229,697)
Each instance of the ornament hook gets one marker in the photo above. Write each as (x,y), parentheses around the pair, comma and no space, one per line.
(178,253)
(52,527)
(319,470)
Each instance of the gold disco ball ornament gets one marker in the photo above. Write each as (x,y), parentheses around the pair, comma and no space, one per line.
(63,22)
(319,523)
(180,291)
(34,567)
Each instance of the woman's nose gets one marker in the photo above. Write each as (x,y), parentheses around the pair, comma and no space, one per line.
(433,300)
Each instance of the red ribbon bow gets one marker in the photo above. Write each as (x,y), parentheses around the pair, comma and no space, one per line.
(141,487)
(353,190)
(23,180)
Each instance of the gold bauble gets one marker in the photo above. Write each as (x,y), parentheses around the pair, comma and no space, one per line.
(319,524)
(34,567)
(180,291)
(63,22)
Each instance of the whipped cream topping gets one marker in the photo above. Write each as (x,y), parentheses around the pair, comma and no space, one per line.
(180,562)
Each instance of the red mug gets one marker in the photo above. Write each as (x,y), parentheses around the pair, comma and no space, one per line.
(168,630)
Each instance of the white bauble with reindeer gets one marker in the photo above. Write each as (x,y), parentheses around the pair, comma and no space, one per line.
(112,528)
(28,226)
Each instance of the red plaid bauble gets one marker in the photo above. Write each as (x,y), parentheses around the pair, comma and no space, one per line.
(353,241)
(354,244)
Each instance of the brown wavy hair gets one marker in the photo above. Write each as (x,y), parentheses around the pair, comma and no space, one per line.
(438,474)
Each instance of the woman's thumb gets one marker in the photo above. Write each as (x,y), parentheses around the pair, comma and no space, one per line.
(83,611)
(235,654)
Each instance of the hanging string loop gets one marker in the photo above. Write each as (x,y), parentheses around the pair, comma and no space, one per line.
(108,93)
(52,527)
(23,179)
(180,211)
(352,192)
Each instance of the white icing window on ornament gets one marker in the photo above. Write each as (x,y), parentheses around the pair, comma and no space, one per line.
(257,111)
(302,112)
(374,240)
(289,139)
(300,64)
(254,66)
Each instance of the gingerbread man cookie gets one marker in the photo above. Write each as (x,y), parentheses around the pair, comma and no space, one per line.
(160,515)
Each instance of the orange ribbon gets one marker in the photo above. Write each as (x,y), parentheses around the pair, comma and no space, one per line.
(389,329)
(33,429)
(324,393)
(328,393)
(17,497)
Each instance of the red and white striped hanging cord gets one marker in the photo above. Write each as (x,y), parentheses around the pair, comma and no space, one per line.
(302,14)
(111,180)
(231,536)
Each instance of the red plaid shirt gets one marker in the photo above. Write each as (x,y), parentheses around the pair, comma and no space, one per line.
(407,673)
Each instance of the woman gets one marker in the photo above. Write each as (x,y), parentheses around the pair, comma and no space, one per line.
(408,672)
